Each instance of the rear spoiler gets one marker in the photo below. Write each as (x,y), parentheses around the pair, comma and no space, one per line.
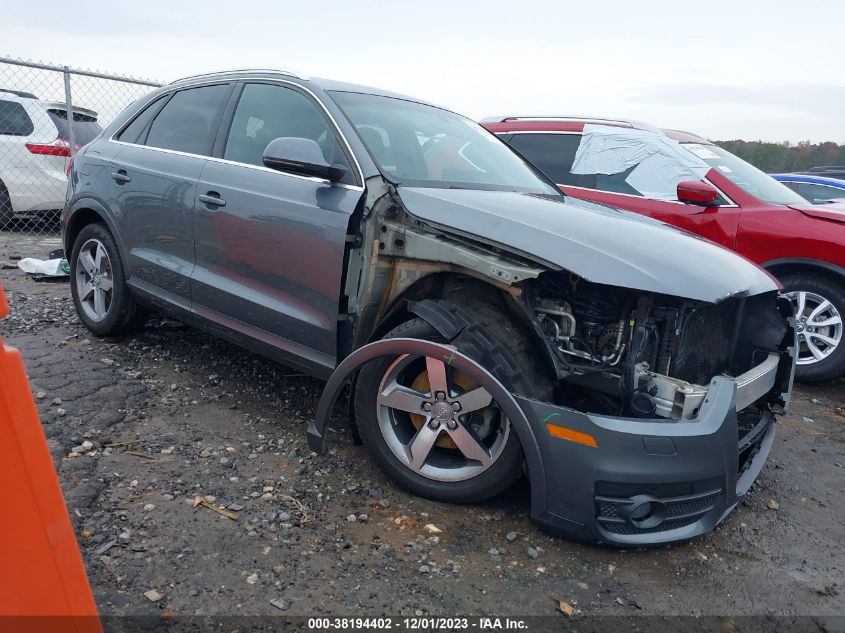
(61,105)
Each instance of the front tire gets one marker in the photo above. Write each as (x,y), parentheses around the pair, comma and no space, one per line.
(432,431)
(819,310)
(98,284)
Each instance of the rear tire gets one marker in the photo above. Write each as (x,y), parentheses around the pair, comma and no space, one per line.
(7,214)
(826,341)
(483,341)
(103,311)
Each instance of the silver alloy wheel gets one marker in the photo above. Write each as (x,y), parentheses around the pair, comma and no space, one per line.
(470,419)
(94,281)
(818,324)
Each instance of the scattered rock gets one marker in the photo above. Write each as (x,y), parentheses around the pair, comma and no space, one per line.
(152,595)
(280,603)
(149,507)
(252,578)
(107,361)
(432,529)
(533,553)
(773,505)
(511,537)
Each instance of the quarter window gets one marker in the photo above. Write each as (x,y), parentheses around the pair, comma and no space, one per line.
(136,131)
(189,121)
(266,112)
(14,121)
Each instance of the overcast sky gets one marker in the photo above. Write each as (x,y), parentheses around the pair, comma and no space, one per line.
(724,69)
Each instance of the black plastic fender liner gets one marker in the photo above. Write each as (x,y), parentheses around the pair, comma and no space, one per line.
(317,439)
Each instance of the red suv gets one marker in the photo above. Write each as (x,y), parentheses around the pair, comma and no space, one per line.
(687,181)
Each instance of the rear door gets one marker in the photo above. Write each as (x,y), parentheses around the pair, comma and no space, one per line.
(270,245)
(152,187)
(553,153)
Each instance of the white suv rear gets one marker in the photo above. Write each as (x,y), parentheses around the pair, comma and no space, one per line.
(34,153)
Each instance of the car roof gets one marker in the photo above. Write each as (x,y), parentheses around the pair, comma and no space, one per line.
(815,180)
(576,124)
(328,85)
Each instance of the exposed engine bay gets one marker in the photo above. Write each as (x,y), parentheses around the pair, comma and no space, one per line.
(624,352)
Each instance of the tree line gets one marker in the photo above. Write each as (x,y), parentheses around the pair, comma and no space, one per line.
(786,156)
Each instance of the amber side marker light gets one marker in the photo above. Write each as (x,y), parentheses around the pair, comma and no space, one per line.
(573,436)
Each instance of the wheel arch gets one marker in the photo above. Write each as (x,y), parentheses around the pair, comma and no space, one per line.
(83,212)
(784,267)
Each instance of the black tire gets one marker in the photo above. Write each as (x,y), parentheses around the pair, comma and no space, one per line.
(483,341)
(7,215)
(124,314)
(834,365)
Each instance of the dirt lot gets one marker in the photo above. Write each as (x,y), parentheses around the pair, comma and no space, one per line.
(171,413)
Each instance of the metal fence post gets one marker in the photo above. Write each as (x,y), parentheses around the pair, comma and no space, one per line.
(69,103)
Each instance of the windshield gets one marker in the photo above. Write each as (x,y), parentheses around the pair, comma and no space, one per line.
(745,176)
(424,146)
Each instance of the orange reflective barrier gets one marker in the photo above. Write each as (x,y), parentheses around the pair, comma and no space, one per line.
(42,572)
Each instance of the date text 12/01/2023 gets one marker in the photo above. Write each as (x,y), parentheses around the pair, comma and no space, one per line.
(417,623)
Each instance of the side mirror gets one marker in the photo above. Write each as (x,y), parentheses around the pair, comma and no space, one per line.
(300,156)
(698,193)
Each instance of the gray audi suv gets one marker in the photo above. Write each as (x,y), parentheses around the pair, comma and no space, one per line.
(487,325)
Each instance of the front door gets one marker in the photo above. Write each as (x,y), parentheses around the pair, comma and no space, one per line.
(270,245)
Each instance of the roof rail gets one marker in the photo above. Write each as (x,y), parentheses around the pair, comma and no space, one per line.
(237,71)
(19,93)
(638,125)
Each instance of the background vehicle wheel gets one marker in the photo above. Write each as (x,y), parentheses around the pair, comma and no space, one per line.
(98,284)
(435,431)
(6,213)
(819,310)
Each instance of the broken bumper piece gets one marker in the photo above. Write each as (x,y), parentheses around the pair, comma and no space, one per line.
(622,481)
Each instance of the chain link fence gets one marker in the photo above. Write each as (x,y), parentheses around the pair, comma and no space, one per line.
(47,112)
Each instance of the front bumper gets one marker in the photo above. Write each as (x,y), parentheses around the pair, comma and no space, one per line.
(643,482)
(648,482)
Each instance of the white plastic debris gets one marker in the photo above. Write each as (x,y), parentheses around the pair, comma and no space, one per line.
(45,267)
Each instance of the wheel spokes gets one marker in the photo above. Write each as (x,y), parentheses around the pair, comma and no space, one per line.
(88,263)
(824,339)
(85,291)
(814,350)
(468,444)
(403,398)
(99,302)
(833,320)
(801,303)
(419,448)
(478,398)
(436,369)
(824,305)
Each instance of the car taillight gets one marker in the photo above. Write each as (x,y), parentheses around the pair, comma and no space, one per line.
(69,167)
(59,147)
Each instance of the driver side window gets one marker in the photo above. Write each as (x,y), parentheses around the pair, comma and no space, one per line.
(266,112)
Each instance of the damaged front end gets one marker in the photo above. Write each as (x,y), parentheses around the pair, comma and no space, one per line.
(667,379)
(677,398)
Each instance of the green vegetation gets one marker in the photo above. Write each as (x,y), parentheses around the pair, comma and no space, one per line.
(786,157)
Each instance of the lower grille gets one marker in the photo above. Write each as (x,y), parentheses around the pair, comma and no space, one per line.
(613,513)
(704,346)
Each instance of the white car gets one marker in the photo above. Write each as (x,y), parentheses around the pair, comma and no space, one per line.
(34,153)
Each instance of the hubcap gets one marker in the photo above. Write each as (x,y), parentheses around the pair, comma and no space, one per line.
(437,422)
(94,280)
(818,325)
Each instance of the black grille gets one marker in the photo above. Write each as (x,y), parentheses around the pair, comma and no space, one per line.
(704,348)
(680,510)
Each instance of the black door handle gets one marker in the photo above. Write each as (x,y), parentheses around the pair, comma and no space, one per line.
(212,199)
(120,176)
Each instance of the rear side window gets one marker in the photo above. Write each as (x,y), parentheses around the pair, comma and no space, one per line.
(553,154)
(266,112)
(819,194)
(188,122)
(14,121)
(85,127)
(135,132)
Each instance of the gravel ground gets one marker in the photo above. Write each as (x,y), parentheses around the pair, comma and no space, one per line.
(139,427)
